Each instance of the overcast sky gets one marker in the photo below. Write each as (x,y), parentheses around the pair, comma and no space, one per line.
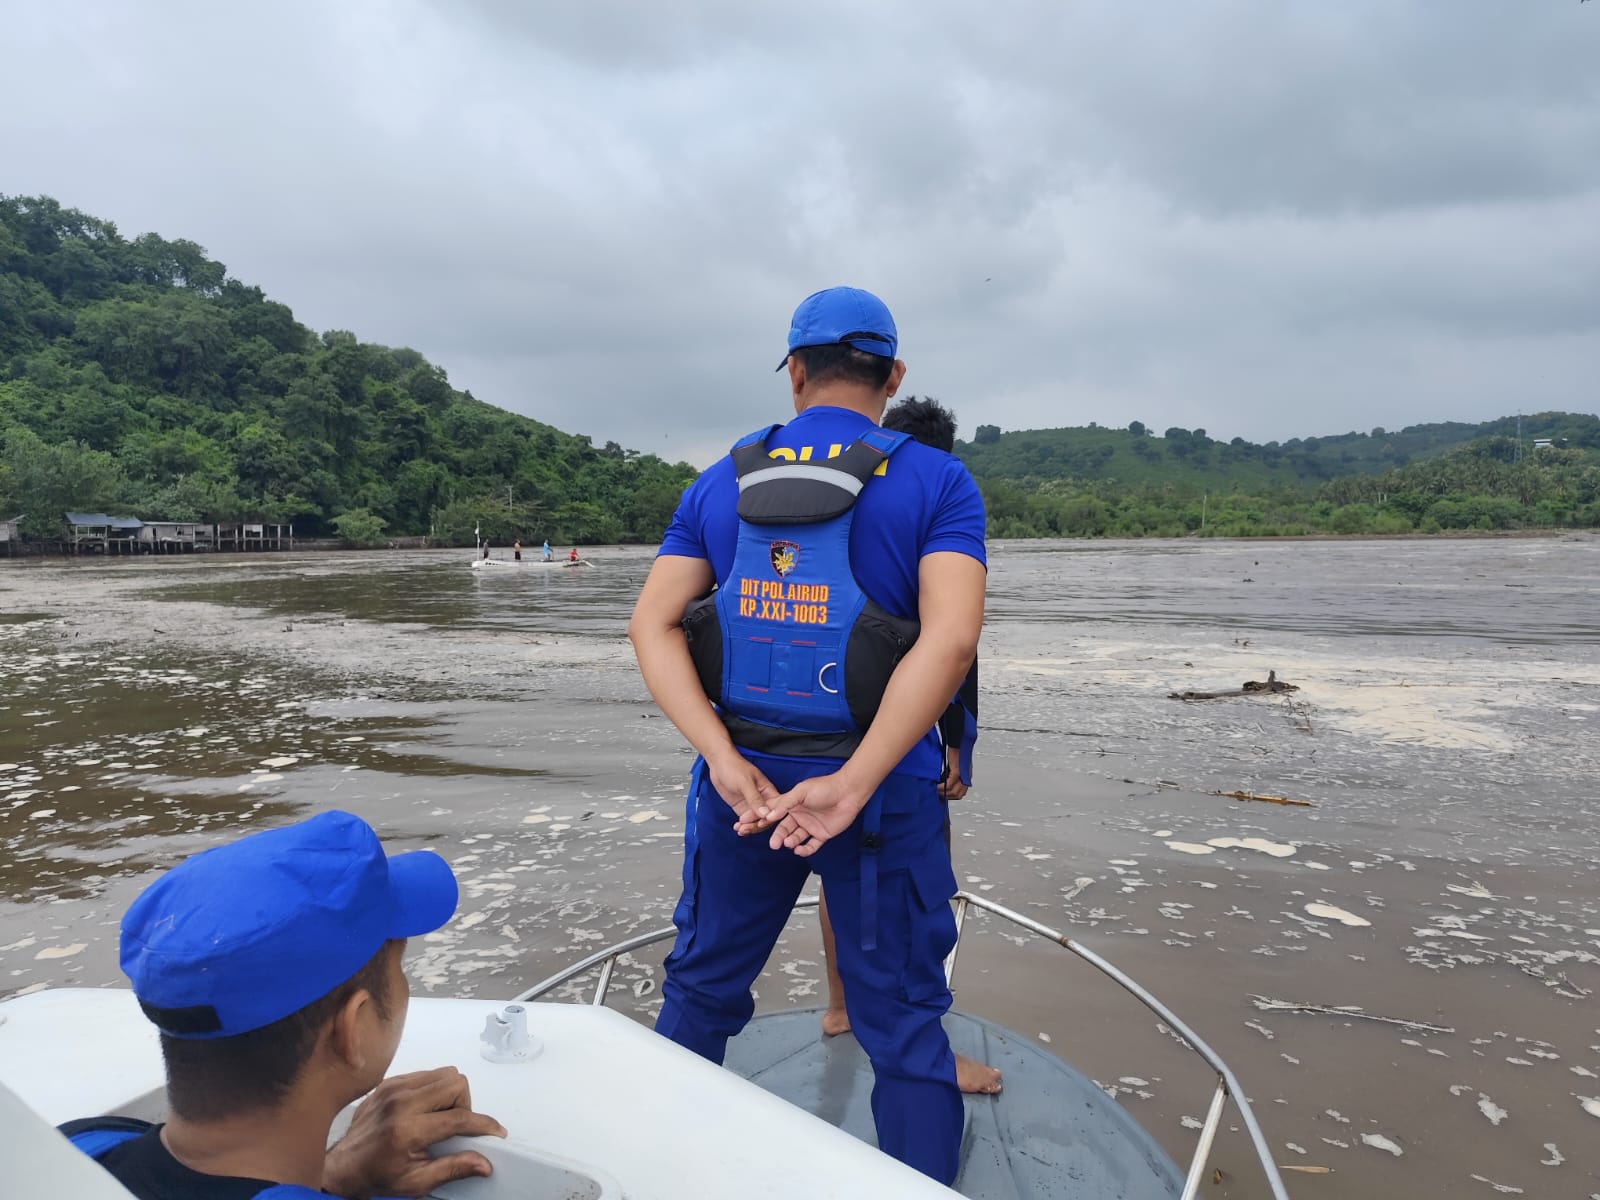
(1272,218)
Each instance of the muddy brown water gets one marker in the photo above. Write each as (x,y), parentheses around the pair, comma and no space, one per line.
(1446,733)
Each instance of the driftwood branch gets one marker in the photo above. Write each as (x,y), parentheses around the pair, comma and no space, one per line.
(1251,687)
(1268,1004)
(1262,796)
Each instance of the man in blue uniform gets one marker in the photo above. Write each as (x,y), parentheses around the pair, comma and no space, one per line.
(849,572)
(271,966)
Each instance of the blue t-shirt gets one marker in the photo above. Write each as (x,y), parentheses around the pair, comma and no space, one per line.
(923,503)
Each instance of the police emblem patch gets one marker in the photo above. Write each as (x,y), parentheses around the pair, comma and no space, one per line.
(785,557)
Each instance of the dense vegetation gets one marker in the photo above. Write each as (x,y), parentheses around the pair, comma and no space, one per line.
(1491,483)
(1134,457)
(137,377)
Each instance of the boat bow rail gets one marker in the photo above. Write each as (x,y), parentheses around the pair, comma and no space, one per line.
(1227,1085)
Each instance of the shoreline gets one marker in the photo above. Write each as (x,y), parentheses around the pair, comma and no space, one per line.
(328,546)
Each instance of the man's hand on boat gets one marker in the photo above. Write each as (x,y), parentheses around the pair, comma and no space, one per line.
(385,1152)
(813,811)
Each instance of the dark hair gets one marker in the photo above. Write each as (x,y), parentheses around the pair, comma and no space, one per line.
(845,363)
(210,1078)
(930,422)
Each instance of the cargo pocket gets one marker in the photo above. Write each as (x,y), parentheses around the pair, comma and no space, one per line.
(932,930)
(683,916)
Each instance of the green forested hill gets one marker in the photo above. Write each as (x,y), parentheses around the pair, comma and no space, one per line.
(1136,458)
(1093,481)
(1487,484)
(135,376)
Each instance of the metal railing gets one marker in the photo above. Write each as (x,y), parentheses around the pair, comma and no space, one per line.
(1227,1086)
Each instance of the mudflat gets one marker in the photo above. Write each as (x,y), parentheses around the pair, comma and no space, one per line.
(1443,874)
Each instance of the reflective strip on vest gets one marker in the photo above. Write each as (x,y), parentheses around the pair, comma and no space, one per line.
(822,474)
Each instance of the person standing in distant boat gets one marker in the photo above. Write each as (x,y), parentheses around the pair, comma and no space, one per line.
(548,556)
(486,550)
(573,557)
(516,550)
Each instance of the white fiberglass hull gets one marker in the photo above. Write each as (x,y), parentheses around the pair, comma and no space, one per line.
(618,1109)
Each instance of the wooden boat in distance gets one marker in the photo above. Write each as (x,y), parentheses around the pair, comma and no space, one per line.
(479,564)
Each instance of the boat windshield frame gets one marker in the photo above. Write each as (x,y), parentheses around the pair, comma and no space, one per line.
(1227,1085)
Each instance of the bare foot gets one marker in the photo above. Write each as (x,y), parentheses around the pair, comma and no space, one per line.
(834,1022)
(975,1078)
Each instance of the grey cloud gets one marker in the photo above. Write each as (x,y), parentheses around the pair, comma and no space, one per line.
(1267,219)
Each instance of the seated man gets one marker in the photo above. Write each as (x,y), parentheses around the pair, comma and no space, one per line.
(272,968)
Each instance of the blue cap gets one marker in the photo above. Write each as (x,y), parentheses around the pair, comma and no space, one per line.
(240,936)
(843,314)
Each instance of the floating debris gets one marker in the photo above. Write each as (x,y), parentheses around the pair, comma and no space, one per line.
(1261,845)
(62,951)
(1264,798)
(1378,1142)
(1490,1109)
(1477,891)
(1329,912)
(1250,687)
(1268,1004)
(1077,887)
(1499,1187)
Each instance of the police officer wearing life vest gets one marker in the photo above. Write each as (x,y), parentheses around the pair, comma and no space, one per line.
(271,967)
(848,566)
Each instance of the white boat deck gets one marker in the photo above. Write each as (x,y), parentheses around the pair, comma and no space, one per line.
(604,1092)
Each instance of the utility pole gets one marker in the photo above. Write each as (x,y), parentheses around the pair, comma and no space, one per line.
(1205,498)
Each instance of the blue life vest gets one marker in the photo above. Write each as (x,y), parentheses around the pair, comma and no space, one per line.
(98,1136)
(791,648)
